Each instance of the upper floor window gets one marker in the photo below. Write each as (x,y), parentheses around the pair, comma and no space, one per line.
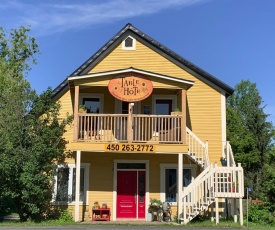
(164,104)
(93,102)
(129,43)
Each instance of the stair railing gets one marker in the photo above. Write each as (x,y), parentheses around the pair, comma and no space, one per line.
(229,155)
(196,148)
(198,195)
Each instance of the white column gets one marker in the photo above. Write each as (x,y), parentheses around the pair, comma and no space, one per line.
(217,210)
(212,212)
(241,211)
(235,210)
(180,185)
(77,185)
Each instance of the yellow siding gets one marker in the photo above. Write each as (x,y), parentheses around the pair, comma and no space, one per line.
(203,118)
(67,109)
(102,175)
(204,102)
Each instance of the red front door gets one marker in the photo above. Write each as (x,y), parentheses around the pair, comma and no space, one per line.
(130,194)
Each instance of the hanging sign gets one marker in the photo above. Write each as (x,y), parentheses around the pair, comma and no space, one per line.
(130,87)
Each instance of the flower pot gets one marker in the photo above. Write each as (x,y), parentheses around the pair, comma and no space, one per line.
(224,162)
(82,111)
(176,113)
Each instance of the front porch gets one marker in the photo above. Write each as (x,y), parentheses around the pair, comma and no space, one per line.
(130,128)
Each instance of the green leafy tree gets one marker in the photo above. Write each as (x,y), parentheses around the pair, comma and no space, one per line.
(250,134)
(30,129)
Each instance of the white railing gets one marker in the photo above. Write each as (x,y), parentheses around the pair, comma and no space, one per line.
(197,195)
(229,155)
(114,127)
(102,127)
(217,182)
(197,149)
(228,181)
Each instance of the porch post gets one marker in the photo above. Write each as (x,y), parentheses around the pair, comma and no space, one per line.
(180,170)
(241,211)
(76,99)
(77,185)
(235,210)
(183,116)
(217,210)
(212,212)
(130,123)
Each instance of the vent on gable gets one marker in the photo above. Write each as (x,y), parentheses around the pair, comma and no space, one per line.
(129,43)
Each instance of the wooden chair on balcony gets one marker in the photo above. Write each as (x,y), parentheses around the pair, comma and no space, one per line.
(172,135)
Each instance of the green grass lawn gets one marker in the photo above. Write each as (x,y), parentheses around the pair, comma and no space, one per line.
(202,224)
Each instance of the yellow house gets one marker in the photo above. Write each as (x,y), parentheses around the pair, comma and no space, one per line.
(133,144)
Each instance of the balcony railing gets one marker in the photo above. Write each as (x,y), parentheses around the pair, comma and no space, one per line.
(133,128)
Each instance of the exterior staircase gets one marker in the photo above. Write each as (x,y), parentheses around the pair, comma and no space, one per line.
(212,183)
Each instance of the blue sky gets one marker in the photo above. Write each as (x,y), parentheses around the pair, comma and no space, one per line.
(233,40)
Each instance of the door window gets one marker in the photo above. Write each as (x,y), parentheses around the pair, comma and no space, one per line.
(164,106)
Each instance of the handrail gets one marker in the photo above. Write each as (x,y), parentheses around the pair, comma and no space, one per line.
(229,155)
(197,147)
(213,182)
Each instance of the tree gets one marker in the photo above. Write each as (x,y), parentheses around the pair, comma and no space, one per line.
(30,129)
(251,136)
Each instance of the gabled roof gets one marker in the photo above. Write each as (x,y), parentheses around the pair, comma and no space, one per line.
(188,83)
(189,66)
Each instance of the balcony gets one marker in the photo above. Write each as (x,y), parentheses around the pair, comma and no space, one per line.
(130,128)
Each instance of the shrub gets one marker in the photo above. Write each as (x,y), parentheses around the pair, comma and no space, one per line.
(261,214)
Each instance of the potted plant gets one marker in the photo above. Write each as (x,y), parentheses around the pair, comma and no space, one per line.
(223,161)
(234,187)
(176,112)
(154,206)
(82,109)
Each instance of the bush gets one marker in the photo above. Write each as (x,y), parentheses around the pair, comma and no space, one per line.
(65,215)
(261,214)
(6,206)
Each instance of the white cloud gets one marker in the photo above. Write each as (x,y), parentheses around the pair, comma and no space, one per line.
(53,17)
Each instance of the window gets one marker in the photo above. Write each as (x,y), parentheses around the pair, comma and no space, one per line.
(66,181)
(164,104)
(169,180)
(129,43)
(93,102)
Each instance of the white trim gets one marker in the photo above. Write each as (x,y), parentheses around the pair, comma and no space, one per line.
(173,166)
(133,47)
(180,184)
(92,95)
(94,75)
(146,162)
(223,120)
(86,167)
(163,96)
(77,185)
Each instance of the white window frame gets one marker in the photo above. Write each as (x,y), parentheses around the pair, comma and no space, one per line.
(86,167)
(163,167)
(156,97)
(129,48)
(92,95)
